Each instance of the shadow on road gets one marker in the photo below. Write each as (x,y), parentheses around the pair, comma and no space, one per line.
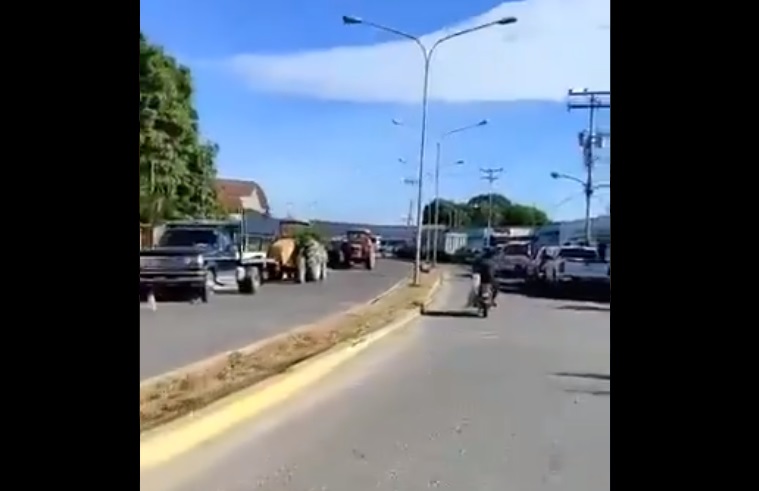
(449,313)
(603,377)
(227,292)
(518,287)
(590,392)
(594,376)
(585,308)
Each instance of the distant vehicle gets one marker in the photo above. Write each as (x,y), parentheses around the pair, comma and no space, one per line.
(358,247)
(577,266)
(390,248)
(536,268)
(296,255)
(196,256)
(513,258)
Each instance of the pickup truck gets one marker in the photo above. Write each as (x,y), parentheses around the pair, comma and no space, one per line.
(198,256)
(577,266)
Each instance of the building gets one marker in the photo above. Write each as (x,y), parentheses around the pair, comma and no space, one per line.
(236,195)
(571,231)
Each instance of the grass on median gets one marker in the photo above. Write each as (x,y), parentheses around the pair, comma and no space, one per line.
(164,400)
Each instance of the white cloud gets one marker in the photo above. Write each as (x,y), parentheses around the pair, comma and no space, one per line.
(556,45)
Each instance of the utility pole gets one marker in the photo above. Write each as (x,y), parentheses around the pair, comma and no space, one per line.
(592,101)
(490,174)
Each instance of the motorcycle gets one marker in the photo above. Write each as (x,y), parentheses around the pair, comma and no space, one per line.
(484,301)
(480,296)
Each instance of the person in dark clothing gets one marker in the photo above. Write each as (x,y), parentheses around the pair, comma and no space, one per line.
(485,267)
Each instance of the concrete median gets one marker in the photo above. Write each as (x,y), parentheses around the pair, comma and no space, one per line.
(168,397)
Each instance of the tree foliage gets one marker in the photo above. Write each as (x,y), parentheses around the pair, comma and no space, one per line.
(177,170)
(311,233)
(475,211)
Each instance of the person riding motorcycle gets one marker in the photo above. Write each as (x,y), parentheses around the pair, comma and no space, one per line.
(485,267)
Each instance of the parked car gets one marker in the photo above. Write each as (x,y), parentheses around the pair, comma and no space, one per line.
(577,266)
(535,275)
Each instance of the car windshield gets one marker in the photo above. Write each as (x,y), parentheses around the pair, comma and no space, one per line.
(355,235)
(579,253)
(187,238)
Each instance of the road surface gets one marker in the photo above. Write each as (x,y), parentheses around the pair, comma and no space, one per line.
(181,333)
(516,402)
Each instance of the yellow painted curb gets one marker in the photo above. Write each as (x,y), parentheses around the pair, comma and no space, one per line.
(168,442)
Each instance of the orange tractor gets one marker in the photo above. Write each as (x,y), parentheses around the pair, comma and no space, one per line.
(357,247)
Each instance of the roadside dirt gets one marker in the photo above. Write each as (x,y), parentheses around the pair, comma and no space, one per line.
(166,398)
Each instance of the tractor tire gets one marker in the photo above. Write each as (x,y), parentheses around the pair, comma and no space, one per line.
(314,272)
(300,274)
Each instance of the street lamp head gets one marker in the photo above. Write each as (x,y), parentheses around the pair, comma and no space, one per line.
(555,175)
(397,122)
(349,20)
(401,160)
(506,21)
(459,162)
(483,122)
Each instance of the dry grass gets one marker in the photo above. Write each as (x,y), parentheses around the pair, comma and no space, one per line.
(167,398)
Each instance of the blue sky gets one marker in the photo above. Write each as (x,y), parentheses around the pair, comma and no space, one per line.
(303,105)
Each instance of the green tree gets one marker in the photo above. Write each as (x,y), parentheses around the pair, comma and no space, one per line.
(452,214)
(475,211)
(517,215)
(177,169)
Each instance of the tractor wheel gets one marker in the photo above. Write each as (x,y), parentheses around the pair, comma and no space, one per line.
(314,272)
(300,275)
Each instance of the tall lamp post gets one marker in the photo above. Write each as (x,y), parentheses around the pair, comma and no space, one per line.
(415,183)
(588,190)
(427,55)
(431,215)
(439,144)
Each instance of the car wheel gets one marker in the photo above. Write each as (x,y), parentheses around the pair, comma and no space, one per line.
(207,291)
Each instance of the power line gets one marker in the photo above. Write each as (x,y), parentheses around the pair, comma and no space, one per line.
(490,174)
(590,139)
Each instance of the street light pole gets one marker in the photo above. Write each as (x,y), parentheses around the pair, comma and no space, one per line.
(589,189)
(410,182)
(491,175)
(436,220)
(427,54)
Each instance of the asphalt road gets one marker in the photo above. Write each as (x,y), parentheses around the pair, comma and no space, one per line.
(177,334)
(519,401)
